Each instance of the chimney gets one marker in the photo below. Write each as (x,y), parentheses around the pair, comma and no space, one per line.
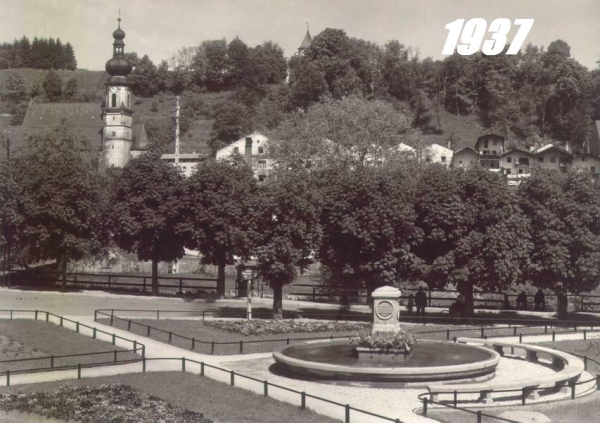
(248,151)
(450,143)
(568,146)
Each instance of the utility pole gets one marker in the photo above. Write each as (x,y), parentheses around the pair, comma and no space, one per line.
(177,134)
(6,262)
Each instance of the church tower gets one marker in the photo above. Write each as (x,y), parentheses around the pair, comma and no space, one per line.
(117,116)
(306,42)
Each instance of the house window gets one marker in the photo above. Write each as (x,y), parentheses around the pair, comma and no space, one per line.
(113,133)
(552,159)
(485,144)
(524,161)
(261,150)
(262,163)
(593,169)
(262,178)
(508,159)
(508,171)
(236,150)
(540,159)
(520,171)
(443,159)
(460,162)
(114,100)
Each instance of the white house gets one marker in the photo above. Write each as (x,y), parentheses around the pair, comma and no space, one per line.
(253,148)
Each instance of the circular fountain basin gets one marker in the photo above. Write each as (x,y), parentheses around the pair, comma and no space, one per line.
(337,360)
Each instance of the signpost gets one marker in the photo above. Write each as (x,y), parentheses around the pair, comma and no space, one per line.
(248,275)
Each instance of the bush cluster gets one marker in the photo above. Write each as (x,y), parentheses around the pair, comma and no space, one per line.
(263,327)
(100,403)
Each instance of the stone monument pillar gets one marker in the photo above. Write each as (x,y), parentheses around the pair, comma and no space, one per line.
(385,309)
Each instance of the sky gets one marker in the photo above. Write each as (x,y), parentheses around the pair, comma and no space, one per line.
(159,28)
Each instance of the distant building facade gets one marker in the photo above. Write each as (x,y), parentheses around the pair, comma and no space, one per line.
(254,150)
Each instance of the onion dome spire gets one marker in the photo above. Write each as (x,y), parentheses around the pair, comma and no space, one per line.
(118,65)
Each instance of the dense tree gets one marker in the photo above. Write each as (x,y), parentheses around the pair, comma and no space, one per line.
(61,203)
(351,132)
(10,218)
(285,230)
(146,195)
(471,231)
(144,78)
(70,90)
(14,88)
(52,86)
(232,121)
(215,214)
(42,53)
(210,64)
(367,221)
(564,210)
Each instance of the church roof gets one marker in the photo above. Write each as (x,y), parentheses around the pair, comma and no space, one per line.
(306,42)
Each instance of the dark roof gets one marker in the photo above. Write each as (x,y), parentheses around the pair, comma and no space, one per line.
(306,42)
(466,150)
(518,149)
(549,147)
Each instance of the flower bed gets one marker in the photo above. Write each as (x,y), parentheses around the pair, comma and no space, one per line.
(402,340)
(102,403)
(262,327)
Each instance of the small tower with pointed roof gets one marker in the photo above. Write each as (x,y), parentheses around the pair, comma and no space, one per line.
(117,116)
(306,42)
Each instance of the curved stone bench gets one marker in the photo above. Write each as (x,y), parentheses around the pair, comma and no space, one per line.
(569,369)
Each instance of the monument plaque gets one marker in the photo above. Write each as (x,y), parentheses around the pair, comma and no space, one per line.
(385,309)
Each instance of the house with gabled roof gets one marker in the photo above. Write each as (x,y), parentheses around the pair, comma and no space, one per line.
(465,158)
(516,163)
(553,157)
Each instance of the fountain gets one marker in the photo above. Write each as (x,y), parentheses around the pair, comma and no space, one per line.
(428,361)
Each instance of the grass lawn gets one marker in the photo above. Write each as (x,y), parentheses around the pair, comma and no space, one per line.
(583,409)
(195,329)
(216,401)
(20,339)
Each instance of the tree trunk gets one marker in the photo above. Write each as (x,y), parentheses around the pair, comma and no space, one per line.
(467,292)
(277,300)
(562,304)
(221,279)
(63,273)
(154,276)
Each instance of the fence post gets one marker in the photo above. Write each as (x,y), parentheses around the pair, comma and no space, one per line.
(202,369)
(347,413)
(520,338)
(585,363)
(61,318)
(203,317)
(47,316)
(170,337)
(314,294)
(95,315)
(144,285)
(148,333)
(598,382)
(113,339)
(36,312)
(479,417)
(94,334)
(455,398)
(78,371)
(266,388)
(193,344)
(425,406)
(553,336)
(447,334)
(115,353)
(109,282)
(183,364)
(241,347)
(514,331)
(157,314)
(303,400)
(482,331)
(111,319)
(232,378)
(51,361)
(77,327)
(288,341)
(584,334)
(135,347)
(144,365)
(8,378)
(523,396)
(11,317)
(180,285)
(572,390)
(129,325)
(212,347)
(143,351)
